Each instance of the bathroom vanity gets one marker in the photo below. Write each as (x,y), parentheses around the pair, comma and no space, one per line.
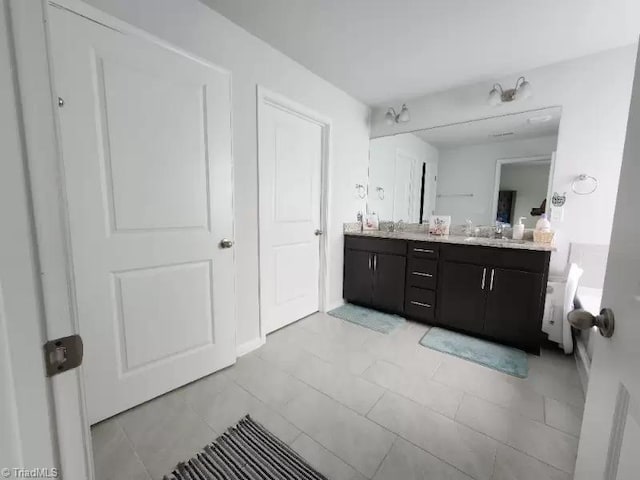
(483,181)
(489,288)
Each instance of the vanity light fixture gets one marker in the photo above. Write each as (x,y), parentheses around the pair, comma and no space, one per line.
(498,95)
(392,117)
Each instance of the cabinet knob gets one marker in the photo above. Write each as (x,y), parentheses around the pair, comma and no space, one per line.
(318,232)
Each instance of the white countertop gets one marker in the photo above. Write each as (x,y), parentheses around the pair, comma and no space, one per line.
(457,239)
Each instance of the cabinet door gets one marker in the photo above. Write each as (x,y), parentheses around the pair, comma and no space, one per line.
(462,296)
(514,304)
(388,282)
(358,276)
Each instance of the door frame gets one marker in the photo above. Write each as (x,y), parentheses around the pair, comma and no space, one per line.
(266,97)
(27,421)
(41,139)
(532,159)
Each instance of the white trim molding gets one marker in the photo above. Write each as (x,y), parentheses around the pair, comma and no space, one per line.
(250,346)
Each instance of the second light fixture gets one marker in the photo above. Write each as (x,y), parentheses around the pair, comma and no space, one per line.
(521,91)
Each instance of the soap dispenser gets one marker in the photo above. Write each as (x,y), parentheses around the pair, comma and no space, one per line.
(518,229)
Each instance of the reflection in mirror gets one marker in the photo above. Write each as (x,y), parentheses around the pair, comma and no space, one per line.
(398,168)
(523,189)
(483,171)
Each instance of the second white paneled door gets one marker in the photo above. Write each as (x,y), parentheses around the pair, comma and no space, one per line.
(291,148)
(146,146)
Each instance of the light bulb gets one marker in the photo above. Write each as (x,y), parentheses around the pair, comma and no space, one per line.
(494,98)
(390,117)
(404,116)
(524,91)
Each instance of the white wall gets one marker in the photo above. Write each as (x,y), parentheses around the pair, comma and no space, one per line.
(382,172)
(472,169)
(192,26)
(594,93)
(531,182)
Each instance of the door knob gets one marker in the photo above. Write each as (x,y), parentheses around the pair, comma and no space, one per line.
(584,320)
(318,232)
(226,243)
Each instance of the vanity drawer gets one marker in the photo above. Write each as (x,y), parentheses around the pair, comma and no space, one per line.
(423,250)
(420,303)
(516,259)
(376,245)
(422,273)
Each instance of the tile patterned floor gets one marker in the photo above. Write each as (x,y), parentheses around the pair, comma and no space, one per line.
(359,404)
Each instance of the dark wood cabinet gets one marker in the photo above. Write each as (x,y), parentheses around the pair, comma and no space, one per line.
(463,296)
(388,281)
(422,281)
(495,293)
(513,300)
(374,273)
(358,282)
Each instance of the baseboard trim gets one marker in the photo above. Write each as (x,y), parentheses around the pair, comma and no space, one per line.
(250,346)
(333,305)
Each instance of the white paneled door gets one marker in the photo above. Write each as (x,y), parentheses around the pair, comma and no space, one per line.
(610,437)
(146,146)
(291,146)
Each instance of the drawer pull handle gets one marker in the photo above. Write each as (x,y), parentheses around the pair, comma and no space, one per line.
(421,304)
(420,274)
(423,250)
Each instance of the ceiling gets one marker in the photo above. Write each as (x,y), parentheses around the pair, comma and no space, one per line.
(381,50)
(505,128)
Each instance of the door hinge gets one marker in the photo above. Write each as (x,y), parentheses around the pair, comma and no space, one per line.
(63,354)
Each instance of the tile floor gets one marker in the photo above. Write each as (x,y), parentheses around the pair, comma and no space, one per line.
(359,404)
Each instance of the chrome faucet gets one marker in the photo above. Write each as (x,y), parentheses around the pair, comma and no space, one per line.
(499,229)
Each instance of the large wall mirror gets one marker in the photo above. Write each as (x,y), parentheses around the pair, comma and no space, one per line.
(483,171)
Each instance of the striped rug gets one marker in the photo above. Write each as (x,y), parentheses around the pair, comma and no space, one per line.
(246,451)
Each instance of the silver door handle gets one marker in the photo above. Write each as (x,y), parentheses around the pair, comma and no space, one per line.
(484,277)
(420,304)
(420,274)
(370,260)
(318,232)
(493,272)
(585,320)
(423,250)
(226,243)
(375,261)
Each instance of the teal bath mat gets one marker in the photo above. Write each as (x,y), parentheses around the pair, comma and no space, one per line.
(504,359)
(365,317)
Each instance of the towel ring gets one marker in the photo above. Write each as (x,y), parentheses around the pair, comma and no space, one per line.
(380,191)
(584,178)
(360,190)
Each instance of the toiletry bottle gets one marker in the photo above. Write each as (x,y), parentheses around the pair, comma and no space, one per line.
(518,229)
(543,225)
